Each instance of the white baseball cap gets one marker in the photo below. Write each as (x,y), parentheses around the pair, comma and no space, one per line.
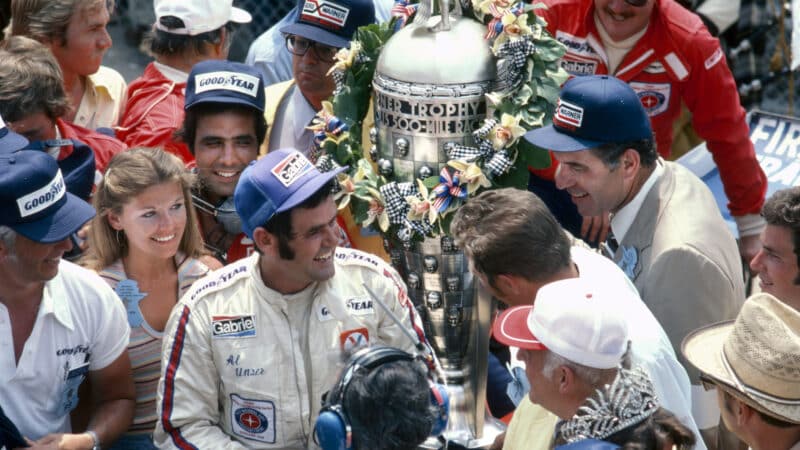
(569,318)
(199,16)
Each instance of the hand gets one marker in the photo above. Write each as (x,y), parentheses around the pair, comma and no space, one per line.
(65,441)
(83,234)
(594,229)
(749,246)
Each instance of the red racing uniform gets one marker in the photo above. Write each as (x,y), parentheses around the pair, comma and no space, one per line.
(153,113)
(103,146)
(676,60)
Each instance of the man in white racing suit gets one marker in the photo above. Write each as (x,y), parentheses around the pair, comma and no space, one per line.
(251,348)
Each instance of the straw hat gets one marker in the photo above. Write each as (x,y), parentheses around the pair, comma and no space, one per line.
(756,357)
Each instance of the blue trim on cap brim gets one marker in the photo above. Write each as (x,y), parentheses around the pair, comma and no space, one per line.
(316,34)
(308,189)
(549,138)
(69,218)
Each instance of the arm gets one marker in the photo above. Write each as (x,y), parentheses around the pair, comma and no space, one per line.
(686,290)
(187,402)
(112,387)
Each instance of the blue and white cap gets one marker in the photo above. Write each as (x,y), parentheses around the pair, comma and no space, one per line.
(34,200)
(216,81)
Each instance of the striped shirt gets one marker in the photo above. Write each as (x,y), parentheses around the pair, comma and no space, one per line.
(144,348)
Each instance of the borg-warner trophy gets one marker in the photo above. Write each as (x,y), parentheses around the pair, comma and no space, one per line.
(429,88)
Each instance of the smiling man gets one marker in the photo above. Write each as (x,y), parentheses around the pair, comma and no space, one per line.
(250,350)
(777,262)
(223,127)
(670,59)
(61,323)
(671,240)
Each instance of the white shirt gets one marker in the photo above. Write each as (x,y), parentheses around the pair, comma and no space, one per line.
(81,326)
(622,220)
(291,120)
(650,346)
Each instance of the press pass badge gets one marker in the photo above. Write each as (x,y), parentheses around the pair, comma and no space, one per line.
(72,380)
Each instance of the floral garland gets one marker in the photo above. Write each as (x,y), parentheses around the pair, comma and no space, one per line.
(525,92)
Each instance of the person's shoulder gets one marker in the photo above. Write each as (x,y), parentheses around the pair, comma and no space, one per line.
(683,25)
(352,259)
(77,280)
(232,276)
(278,90)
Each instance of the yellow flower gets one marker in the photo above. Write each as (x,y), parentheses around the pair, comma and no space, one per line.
(377,211)
(421,207)
(514,25)
(471,174)
(348,187)
(346,57)
(506,133)
(483,5)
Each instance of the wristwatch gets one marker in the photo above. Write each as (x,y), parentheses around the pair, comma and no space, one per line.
(95,440)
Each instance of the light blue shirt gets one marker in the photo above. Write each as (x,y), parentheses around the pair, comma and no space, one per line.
(268,52)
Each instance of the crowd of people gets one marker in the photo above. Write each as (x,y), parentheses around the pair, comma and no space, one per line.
(175,272)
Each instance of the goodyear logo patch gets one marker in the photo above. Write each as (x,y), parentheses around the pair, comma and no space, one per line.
(568,115)
(292,168)
(360,306)
(228,81)
(326,14)
(233,326)
(43,197)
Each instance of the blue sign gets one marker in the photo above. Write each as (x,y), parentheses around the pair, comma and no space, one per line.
(776,140)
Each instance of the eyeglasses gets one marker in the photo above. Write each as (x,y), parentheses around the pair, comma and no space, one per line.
(636,3)
(299,46)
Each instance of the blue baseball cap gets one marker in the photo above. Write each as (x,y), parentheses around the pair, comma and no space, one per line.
(34,200)
(218,81)
(330,22)
(591,111)
(9,140)
(277,182)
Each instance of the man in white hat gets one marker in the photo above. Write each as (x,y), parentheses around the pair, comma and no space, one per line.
(755,363)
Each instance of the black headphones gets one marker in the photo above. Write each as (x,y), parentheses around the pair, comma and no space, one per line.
(333,431)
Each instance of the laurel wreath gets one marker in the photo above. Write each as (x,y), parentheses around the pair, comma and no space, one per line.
(523,98)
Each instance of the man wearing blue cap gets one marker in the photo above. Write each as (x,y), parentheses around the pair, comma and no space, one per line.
(250,349)
(60,323)
(668,235)
(317,31)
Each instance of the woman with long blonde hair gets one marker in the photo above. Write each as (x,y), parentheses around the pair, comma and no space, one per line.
(146,244)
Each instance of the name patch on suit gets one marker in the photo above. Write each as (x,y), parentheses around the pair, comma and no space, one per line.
(233,326)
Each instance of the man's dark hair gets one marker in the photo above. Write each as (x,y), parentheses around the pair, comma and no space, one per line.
(188,131)
(280,224)
(389,407)
(511,231)
(782,209)
(161,42)
(611,152)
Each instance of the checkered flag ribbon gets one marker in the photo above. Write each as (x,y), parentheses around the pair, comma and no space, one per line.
(463,152)
(423,227)
(394,198)
(326,163)
(512,57)
(499,164)
(338,78)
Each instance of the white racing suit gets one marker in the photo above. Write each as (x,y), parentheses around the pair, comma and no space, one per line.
(234,374)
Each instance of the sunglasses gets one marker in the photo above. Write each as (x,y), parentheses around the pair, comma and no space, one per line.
(299,46)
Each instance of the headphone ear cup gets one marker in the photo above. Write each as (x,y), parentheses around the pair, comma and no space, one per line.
(332,430)
(440,400)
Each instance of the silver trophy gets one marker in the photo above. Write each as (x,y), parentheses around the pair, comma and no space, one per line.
(429,89)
